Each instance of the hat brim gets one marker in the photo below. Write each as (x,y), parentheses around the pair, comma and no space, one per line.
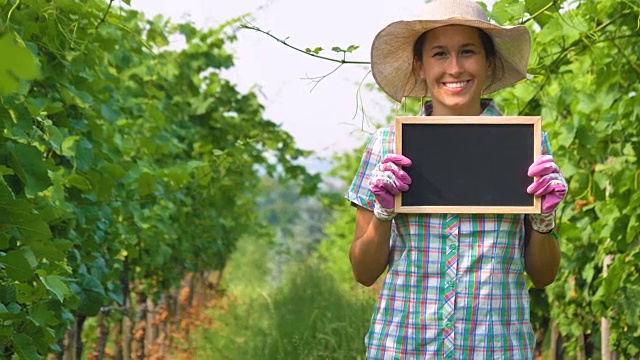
(392,54)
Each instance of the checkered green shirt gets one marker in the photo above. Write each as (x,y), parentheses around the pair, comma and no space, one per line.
(455,286)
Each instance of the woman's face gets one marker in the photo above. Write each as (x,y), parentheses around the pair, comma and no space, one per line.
(455,68)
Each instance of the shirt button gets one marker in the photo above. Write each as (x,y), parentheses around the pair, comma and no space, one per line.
(453,247)
(448,324)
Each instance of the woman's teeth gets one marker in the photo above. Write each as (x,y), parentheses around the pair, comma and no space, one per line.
(455,85)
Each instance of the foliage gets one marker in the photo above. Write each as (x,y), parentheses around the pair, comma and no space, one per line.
(333,252)
(124,164)
(585,67)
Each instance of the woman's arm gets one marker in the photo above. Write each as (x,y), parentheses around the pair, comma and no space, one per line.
(369,252)
(541,256)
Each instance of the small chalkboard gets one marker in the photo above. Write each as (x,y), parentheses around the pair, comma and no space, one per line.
(468,164)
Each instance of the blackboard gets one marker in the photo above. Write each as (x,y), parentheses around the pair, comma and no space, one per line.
(468,164)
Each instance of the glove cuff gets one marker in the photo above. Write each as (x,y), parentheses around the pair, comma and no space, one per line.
(382,213)
(543,223)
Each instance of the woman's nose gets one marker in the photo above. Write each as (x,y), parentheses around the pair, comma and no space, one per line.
(454,65)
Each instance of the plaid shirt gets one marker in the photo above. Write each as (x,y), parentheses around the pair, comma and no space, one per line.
(455,286)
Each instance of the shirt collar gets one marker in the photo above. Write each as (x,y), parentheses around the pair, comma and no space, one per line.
(489,108)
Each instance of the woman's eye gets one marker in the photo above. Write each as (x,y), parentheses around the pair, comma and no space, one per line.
(467,52)
(439,54)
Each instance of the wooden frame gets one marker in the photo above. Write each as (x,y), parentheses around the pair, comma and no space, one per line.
(534,121)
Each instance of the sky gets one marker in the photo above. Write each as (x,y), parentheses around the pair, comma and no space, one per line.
(325,118)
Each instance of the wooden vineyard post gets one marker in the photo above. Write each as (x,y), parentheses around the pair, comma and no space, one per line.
(605,331)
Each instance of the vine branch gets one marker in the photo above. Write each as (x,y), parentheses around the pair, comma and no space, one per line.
(626,57)
(555,64)
(104,16)
(11,11)
(316,80)
(360,103)
(250,26)
(539,12)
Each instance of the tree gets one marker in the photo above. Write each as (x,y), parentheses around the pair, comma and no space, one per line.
(585,72)
(125,166)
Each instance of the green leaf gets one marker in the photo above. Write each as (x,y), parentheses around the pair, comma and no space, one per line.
(4,241)
(28,163)
(69,145)
(16,64)
(586,136)
(156,36)
(114,171)
(7,294)
(352,48)
(25,347)
(5,170)
(588,272)
(146,184)
(55,284)
(55,138)
(188,30)
(79,182)
(42,315)
(55,250)
(92,296)
(84,155)
(20,215)
(78,97)
(109,113)
(508,11)
(19,264)
(337,49)
(14,308)
(40,106)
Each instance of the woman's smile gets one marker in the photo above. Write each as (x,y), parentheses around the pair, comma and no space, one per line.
(457,86)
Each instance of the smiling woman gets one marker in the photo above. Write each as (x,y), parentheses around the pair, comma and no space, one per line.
(455,285)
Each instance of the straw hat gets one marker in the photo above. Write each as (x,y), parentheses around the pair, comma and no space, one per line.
(392,48)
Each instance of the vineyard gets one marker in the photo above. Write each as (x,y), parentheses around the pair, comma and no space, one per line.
(127,171)
(149,210)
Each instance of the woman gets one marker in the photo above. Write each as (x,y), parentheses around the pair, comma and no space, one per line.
(455,286)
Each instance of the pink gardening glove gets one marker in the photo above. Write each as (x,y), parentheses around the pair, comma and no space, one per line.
(388,180)
(550,185)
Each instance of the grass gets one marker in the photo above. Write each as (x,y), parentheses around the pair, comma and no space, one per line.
(309,316)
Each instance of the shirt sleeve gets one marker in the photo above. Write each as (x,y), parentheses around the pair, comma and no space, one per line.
(359,192)
(546,147)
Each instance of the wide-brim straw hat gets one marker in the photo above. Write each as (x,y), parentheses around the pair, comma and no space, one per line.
(392,48)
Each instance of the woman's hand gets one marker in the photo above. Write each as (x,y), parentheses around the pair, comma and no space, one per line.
(551,186)
(388,180)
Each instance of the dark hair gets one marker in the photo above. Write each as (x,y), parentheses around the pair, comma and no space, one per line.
(489,50)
